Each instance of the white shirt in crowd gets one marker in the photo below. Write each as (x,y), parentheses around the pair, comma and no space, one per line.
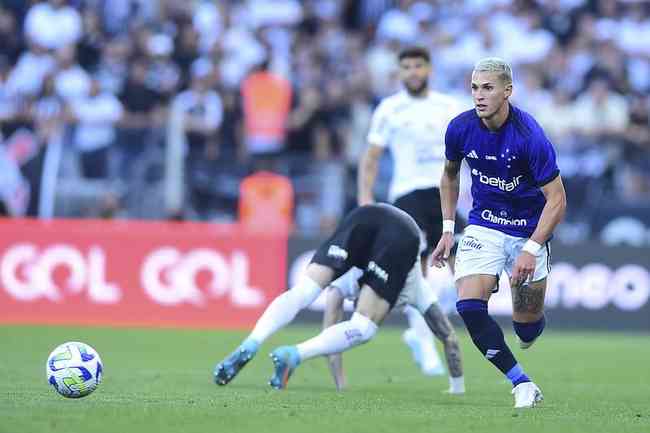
(414,130)
(208,22)
(96,119)
(51,27)
(26,78)
(207,105)
(274,12)
(72,83)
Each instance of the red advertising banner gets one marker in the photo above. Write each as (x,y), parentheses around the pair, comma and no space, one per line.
(137,273)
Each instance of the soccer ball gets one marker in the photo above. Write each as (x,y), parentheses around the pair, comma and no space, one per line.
(74,369)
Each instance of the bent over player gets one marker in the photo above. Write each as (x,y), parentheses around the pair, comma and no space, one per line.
(381,240)
(518,200)
(347,287)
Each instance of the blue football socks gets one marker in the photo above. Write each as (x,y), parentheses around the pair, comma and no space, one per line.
(527,332)
(517,375)
(488,337)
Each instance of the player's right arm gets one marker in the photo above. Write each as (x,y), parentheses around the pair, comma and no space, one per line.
(367,174)
(449,190)
(333,315)
(378,137)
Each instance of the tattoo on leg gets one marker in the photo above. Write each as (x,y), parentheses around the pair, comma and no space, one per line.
(528,299)
(442,329)
(438,322)
(454,360)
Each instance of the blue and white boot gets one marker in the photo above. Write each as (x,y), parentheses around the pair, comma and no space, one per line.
(285,360)
(227,369)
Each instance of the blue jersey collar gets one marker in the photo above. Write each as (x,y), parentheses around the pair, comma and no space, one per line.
(502,127)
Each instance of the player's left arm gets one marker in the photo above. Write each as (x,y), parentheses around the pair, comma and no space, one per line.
(552,214)
(553,211)
(334,314)
(545,172)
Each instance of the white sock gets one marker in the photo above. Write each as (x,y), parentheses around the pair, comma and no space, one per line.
(284,308)
(457,385)
(430,358)
(338,338)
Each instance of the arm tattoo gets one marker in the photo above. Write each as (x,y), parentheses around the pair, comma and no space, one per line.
(442,329)
(527,299)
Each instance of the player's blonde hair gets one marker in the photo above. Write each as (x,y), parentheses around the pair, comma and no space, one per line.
(495,64)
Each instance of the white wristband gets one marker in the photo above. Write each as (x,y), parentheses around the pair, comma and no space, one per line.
(531,247)
(448,226)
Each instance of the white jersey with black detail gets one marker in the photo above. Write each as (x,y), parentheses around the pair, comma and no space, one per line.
(413,128)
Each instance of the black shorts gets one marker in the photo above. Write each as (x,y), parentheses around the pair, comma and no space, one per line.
(380,239)
(424,206)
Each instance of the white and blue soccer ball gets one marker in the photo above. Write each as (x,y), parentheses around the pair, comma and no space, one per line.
(74,369)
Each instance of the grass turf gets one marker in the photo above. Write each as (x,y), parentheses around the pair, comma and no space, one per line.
(161,381)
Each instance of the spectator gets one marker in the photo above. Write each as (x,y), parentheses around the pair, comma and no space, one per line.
(600,113)
(207,23)
(266,101)
(305,123)
(112,70)
(53,24)
(163,75)
(92,41)
(28,74)
(586,67)
(95,116)
(202,111)
(142,107)
(12,43)
(186,51)
(48,112)
(71,81)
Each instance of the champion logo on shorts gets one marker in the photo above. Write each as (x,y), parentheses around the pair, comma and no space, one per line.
(378,271)
(472,155)
(337,252)
(491,353)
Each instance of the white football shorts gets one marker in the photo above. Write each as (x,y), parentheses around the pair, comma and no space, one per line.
(487,251)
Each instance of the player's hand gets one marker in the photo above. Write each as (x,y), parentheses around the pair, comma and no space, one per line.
(523,270)
(441,253)
(335,363)
(341,383)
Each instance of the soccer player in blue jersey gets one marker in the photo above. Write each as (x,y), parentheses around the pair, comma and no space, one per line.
(518,200)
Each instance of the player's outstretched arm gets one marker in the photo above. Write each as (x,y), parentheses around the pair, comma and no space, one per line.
(367,174)
(449,188)
(444,332)
(334,314)
(552,214)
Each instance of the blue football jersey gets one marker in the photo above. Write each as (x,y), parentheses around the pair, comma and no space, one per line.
(508,168)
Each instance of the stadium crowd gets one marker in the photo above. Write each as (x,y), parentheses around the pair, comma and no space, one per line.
(289,86)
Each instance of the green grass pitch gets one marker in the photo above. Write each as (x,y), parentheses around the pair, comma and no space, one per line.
(161,381)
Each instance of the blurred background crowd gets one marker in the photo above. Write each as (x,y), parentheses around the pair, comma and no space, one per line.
(158,109)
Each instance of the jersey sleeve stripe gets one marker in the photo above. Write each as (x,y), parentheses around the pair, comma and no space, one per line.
(549,179)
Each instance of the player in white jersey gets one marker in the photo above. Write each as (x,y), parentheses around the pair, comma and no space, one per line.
(412,124)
